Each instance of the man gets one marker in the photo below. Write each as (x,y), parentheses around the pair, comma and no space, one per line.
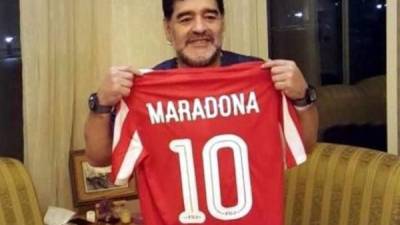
(201,171)
(195,30)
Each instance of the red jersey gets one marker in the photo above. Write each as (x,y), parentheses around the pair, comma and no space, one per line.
(206,145)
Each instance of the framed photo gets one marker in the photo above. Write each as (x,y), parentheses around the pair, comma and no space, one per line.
(91,184)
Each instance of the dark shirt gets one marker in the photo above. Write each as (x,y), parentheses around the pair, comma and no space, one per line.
(227,59)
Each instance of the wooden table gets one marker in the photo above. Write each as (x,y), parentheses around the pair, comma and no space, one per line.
(82,221)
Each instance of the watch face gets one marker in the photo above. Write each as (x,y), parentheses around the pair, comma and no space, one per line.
(310,97)
(312,94)
(92,102)
(95,107)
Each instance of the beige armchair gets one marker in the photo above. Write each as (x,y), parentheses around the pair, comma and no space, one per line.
(18,202)
(344,185)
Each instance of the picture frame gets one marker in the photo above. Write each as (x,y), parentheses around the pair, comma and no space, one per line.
(91,185)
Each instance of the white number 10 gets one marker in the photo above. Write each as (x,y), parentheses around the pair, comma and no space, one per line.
(191,213)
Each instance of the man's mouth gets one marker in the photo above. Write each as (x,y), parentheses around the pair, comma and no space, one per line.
(199,41)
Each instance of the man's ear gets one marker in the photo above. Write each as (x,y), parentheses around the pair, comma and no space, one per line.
(167,30)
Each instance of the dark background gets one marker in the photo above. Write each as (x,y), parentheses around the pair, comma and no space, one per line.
(11,133)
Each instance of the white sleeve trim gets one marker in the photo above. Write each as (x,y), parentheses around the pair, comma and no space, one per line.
(118,123)
(292,135)
(128,164)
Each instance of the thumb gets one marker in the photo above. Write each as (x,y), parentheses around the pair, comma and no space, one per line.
(267,64)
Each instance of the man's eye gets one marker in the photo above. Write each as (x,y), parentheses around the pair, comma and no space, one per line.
(211,17)
(184,19)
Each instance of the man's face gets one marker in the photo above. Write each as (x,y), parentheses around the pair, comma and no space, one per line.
(195,31)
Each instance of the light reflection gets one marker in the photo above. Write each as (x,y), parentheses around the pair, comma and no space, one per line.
(8,39)
(11,59)
(299,14)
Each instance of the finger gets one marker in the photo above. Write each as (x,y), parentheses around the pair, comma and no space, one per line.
(277,62)
(279,78)
(123,75)
(279,70)
(126,83)
(128,69)
(125,91)
(131,69)
(120,69)
(279,85)
(264,65)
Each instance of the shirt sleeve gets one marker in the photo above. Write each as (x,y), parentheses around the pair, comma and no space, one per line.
(294,151)
(127,149)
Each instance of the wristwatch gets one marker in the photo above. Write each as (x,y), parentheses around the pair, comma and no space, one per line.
(310,97)
(95,106)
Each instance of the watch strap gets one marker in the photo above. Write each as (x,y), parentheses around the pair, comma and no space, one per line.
(309,98)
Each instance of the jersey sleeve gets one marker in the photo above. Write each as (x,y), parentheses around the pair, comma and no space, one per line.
(127,149)
(294,150)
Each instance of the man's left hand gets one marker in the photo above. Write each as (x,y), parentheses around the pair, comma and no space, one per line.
(287,77)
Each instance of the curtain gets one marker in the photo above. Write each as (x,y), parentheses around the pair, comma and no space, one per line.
(246,27)
(68,46)
(65,47)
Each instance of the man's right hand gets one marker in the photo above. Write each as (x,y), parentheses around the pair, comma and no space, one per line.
(116,84)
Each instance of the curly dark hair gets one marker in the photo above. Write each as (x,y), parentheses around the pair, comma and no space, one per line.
(168,7)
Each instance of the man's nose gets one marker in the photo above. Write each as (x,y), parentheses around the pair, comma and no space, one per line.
(199,25)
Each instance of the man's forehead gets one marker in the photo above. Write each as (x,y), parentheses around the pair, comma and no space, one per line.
(194,5)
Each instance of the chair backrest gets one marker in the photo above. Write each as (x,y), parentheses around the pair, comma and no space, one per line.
(344,185)
(363,103)
(18,201)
